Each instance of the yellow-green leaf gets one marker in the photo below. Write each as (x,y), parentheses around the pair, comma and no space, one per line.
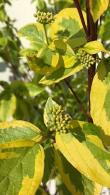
(98,7)
(100,97)
(26,88)
(94,47)
(66,53)
(69,175)
(48,56)
(61,74)
(68,22)
(75,182)
(22,172)
(18,131)
(80,143)
(7,106)
(85,157)
(35,34)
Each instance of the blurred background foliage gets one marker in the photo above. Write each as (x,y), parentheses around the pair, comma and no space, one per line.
(22,97)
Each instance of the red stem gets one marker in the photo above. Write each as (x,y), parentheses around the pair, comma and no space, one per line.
(92,31)
(77,4)
(91,35)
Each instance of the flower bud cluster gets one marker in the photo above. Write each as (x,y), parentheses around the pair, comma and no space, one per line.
(86,59)
(60,121)
(44,17)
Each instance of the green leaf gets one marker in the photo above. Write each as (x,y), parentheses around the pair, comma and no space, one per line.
(49,107)
(88,154)
(33,89)
(94,47)
(49,164)
(75,182)
(13,134)
(66,53)
(68,25)
(48,56)
(69,58)
(41,191)
(28,52)
(39,66)
(100,102)
(104,31)
(3,16)
(75,42)
(61,74)
(70,176)
(98,7)
(23,109)
(22,173)
(86,157)
(26,88)
(7,105)
(3,42)
(35,34)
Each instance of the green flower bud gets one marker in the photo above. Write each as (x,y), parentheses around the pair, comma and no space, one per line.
(60,121)
(44,18)
(86,59)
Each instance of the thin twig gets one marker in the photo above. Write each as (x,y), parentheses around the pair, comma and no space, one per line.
(77,4)
(77,98)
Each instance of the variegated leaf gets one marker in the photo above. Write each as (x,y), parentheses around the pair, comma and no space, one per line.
(94,47)
(80,143)
(98,7)
(35,34)
(86,157)
(75,182)
(100,97)
(21,170)
(18,134)
(61,74)
(68,25)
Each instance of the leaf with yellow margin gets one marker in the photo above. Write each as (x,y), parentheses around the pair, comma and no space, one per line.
(68,25)
(22,173)
(60,74)
(98,7)
(18,132)
(94,47)
(100,97)
(35,34)
(75,182)
(86,157)
(81,145)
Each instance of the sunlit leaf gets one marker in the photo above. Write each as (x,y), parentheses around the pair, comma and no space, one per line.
(94,47)
(21,173)
(61,74)
(18,131)
(68,25)
(98,7)
(100,97)
(86,157)
(35,34)
(80,143)
(75,182)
